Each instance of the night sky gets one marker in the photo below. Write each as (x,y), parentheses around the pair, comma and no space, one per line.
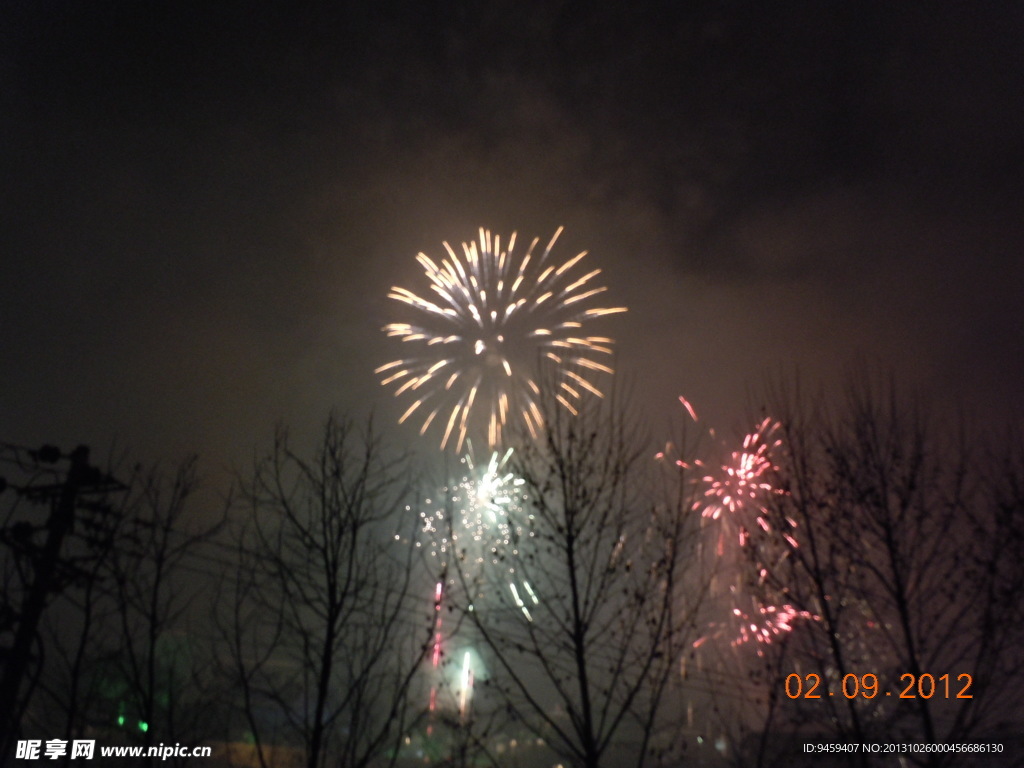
(202,207)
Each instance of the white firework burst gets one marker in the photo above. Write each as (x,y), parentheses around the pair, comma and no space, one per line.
(494,318)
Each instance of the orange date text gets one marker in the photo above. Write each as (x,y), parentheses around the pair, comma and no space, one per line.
(910,686)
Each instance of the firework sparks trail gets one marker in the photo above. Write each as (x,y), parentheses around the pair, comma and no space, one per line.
(493,316)
(735,500)
(466,685)
(435,658)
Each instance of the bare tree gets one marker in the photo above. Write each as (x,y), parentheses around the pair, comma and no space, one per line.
(908,559)
(153,665)
(796,558)
(325,626)
(998,524)
(583,613)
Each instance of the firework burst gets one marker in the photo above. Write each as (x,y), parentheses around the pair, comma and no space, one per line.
(735,506)
(494,317)
(738,498)
(751,621)
(743,487)
(483,515)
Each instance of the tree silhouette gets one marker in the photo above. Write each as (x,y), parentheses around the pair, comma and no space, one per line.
(908,557)
(326,629)
(583,616)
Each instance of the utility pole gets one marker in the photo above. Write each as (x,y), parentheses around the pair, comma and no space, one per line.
(80,476)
